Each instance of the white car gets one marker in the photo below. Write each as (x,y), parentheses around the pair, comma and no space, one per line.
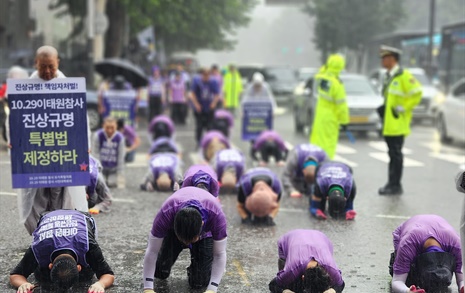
(451,114)
(427,107)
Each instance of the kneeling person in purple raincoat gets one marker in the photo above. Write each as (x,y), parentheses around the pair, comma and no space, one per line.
(212,142)
(229,164)
(190,218)
(161,126)
(258,196)
(299,174)
(64,251)
(335,184)
(164,173)
(426,254)
(306,264)
(269,144)
(202,176)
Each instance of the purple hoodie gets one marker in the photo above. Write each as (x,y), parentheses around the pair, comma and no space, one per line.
(411,235)
(162,118)
(208,206)
(209,136)
(202,174)
(225,114)
(269,135)
(298,248)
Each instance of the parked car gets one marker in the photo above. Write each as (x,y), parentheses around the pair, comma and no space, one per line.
(282,81)
(362,101)
(247,71)
(305,73)
(450,119)
(427,108)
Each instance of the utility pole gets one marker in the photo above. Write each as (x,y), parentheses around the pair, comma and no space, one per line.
(432,13)
(90,42)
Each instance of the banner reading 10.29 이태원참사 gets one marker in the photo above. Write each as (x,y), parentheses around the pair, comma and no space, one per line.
(48,132)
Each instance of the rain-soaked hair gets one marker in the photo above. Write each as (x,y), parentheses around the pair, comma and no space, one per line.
(316,280)
(64,273)
(187,224)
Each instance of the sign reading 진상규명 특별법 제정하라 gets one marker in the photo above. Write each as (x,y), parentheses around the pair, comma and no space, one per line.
(48,132)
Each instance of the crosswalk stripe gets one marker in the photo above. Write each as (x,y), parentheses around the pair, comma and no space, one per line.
(384,157)
(345,150)
(437,147)
(453,158)
(126,200)
(393,217)
(345,161)
(9,193)
(280,111)
(140,160)
(288,145)
(382,147)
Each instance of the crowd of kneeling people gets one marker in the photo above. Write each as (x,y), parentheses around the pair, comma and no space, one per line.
(426,248)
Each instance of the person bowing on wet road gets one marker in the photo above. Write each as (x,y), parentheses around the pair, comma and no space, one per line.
(306,264)
(164,172)
(190,218)
(202,176)
(426,254)
(269,144)
(334,183)
(258,196)
(299,172)
(64,251)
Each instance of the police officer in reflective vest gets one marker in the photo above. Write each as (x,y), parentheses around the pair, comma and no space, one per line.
(402,92)
(63,251)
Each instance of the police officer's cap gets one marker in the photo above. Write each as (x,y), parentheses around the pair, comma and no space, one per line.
(389,51)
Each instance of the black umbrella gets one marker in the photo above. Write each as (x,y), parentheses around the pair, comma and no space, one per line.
(114,66)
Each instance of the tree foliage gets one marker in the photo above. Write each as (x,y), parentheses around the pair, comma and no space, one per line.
(347,24)
(185,25)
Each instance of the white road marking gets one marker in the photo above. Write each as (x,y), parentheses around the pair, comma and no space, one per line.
(288,145)
(437,147)
(345,161)
(453,158)
(126,200)
(280,110)
(9,193)
(384,157)
(140,160)
(382,147)
(345,150)
(393,217)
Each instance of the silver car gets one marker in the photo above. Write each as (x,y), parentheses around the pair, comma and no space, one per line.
(362,101)
(450,118)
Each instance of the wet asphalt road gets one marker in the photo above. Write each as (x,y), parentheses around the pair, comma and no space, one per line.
(362,247)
